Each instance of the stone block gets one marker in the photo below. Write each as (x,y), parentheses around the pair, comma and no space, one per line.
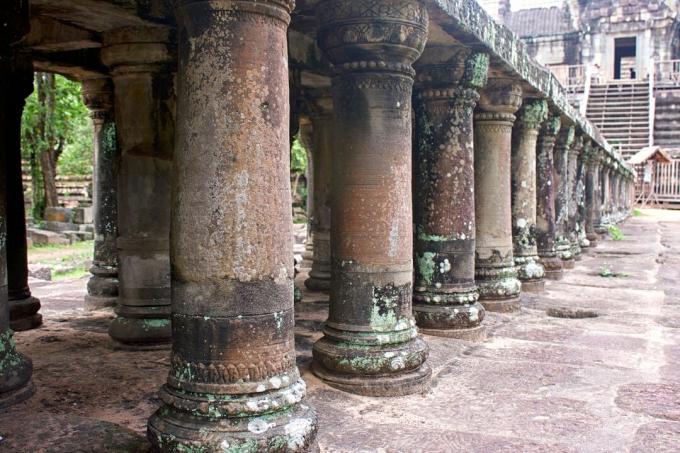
(78,236)
(40,272)
(59,227)
(83,215)
(59,215)
(44,237)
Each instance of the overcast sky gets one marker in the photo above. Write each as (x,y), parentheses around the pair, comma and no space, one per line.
(524,4)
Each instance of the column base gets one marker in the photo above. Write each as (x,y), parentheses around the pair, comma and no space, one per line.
(139,334)
(407,383)
(476,334)
(553,267)
(533,286)
(455,315)
(93,303)
(292,430)
(17,396)
(568,263)
(318,281)
(502,305)
(369,369)
(23,314)
(499,289)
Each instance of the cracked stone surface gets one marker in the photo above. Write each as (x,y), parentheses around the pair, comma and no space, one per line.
(537,384)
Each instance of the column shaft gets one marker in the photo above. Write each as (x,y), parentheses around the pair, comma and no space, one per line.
(16,83)
(545,199)
(525,134)
(582,236)
(495,270)
(561,160)
(370,344)
(102,288)
(591,197)
(322,122)
(233,383)
(140,59)
(445,295)
(572,233)
(23,307)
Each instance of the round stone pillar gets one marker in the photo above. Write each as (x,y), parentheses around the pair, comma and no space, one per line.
(322,122)
(561,174)
(370,344)
(233,384)
(445,297)
(582,236)
(524,140)
(16,82)
(102,288)
(591,196)
(545,199)
(573,156)
(23,307)
(495,270)
(597,206)
(605,174)
(306,137)
(141,66)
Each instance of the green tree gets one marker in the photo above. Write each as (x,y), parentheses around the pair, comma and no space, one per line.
(298,167)
(55,123)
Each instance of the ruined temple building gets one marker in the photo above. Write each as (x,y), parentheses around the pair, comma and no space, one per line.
(452,177)
(620,64)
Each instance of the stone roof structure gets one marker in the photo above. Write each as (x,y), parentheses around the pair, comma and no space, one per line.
(536,22)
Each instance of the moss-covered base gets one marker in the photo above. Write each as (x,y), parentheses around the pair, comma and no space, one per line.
(15,372)
(141,333)
(471,334)
(448,317)
(291,430)
(406,383)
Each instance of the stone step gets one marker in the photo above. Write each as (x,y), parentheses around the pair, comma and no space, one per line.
(46,237)
(79,236)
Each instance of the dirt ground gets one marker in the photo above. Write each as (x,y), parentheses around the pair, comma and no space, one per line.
(540,382)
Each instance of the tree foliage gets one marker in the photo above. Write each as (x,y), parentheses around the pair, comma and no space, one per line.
(56,136)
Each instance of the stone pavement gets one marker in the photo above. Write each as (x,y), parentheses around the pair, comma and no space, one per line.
(591,365)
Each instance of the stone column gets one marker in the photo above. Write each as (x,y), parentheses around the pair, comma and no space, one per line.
(604,197)
(592,200)
(495,270)
(306,137)
(233,383)
(16,82)
(599,194)
(23,307)
(545,199)
(573,155)
(583,241)
(524,138)
(445,295)
(322,121)
(370,344)
(561,160)
(140,62)
(102,288)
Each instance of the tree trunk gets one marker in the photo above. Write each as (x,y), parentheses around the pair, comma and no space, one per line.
(48,167)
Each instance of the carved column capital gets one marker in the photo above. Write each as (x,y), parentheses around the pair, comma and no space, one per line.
(98,97)
(532,114)
(551,126)
(138,49)
(372,35)
(500,99)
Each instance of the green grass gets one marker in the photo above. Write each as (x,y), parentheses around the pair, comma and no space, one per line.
(71,273)
(637,213)
(84,245)
(615,233)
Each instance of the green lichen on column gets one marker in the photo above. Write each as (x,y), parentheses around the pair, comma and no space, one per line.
(476,70)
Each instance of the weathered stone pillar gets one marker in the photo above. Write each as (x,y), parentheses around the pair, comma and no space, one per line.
(545,199)
(592,200)
(233,383)
(582,237)
(23,307)
(140,60)
(599,192)
(370,344)
(102,288)
(445,295)
(604,196)
(524,139)
(16,82)
(561,159)
(573,155)
(306,137)
(320,221)
(495,270)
